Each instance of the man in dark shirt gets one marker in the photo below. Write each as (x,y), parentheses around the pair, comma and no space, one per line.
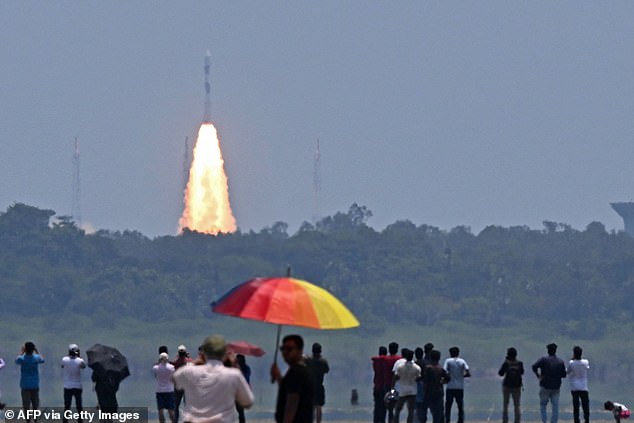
(318,367)
(421,405)
(434,377)
(391,359)
(295,394)
(512,369)
(549,370)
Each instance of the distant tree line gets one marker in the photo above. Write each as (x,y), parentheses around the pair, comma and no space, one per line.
(404,273)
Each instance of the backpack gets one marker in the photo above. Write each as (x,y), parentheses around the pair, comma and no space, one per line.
(513,378)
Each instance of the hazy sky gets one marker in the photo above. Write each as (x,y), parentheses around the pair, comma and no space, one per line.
(444,113)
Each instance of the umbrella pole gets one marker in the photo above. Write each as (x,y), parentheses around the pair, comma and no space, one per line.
(277,343)
(276,348)
(279,327)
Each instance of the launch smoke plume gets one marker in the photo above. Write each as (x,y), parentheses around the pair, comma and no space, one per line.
(207,207)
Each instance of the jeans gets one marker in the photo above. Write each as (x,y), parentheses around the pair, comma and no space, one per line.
(551,395)
(514,393)
(585,405)
(68,399)
(458,395)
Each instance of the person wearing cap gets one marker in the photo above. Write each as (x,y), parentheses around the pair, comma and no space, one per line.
(295,394)
(549,370)
(163,372)
(72,365)
(318,367)
(182,357)
(211,389)
(181,360)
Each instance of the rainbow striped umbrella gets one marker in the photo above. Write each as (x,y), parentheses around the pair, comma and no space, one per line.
(285,301)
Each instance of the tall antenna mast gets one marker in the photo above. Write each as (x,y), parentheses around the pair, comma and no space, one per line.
(76,201)
(316,184)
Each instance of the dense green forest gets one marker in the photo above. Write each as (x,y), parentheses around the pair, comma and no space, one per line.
(404,273)
(413,284)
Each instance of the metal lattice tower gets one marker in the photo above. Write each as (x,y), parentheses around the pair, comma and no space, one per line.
(75,209)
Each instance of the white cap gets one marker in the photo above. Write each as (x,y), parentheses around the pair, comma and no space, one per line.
(182,348)
(163,357)
(73,347)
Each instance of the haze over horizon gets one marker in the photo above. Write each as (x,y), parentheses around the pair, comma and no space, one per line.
(447,114)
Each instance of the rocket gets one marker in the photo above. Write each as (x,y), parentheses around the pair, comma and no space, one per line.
(207,115)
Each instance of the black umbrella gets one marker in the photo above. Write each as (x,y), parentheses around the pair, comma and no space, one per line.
(108,360)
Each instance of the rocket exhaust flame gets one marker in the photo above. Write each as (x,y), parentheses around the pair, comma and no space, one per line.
(207,207)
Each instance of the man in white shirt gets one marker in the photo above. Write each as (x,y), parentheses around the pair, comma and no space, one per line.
(395,381)
(211,389)
(163,372)
(407,373)
(457,369)
(577,371)
(72,365)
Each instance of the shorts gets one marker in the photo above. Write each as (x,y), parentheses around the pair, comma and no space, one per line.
(165,400)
